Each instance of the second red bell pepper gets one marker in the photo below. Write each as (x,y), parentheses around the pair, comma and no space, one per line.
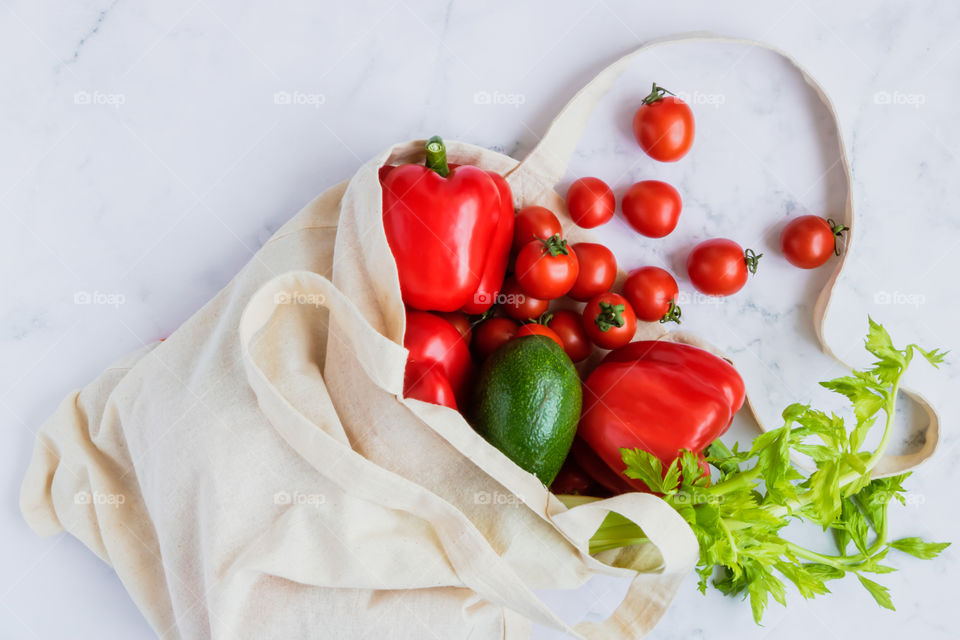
(439,367)
(658,396)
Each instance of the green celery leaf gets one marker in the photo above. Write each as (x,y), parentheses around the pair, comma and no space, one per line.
(645,467)
(917,548)
(879,592)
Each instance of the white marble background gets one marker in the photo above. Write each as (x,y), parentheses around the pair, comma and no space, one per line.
(146,156)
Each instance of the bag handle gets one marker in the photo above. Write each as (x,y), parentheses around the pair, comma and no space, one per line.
(535,177)
(475,562)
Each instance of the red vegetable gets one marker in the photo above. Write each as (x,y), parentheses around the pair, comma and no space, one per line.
(652,292)
(537,329)
(569,326)
(598,270)
(532,223)
(491,334)
(439,368)
(719,267)
(441,225)
(609,320)
(590,202)
(652,208)
(809,241)
(546,268)
(517,304)
(496,264)
(460,321)
(663,126)
(660,397)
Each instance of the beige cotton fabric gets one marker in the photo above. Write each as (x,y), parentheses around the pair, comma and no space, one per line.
(259,474)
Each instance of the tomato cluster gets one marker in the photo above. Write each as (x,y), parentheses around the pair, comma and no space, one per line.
(544,269)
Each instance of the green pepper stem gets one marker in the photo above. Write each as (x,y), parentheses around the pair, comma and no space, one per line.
(673,313)
(437,156)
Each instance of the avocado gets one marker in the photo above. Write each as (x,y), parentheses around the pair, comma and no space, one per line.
(527,404)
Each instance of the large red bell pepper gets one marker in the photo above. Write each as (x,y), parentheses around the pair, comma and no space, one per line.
(660,397)
(439,367)
(443,225)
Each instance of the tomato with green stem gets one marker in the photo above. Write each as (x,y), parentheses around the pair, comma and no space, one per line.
(653,292)
(663,125)
(808,242)
(609,320)
(719,267)
(547,267)
(534,222)
(538,329)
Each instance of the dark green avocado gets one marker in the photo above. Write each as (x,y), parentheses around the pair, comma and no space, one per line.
(527,404)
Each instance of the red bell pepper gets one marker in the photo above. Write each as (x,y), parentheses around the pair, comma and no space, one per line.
(439,367)
(443,226)
(660,397)
(496,266)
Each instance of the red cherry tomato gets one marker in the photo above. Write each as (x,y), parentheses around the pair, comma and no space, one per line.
(590,202)
(609,320)
(537,329)
(519,305)
(569,327)
(546,268)
(652,292)
(598,270)
(491,334)
(809,241)
(459,320)
(719,267)
(652,208)
(663,126)
(532,223)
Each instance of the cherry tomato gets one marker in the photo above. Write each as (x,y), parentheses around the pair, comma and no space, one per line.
(663,126)
(808,241)
(491,334)
(569,327)
(652,208)
(609,320)
(590,202)
(519,305)
(598,270)
(652,292)
(532,223)
(459,320)
(546,268)
(719,267)
(537,329)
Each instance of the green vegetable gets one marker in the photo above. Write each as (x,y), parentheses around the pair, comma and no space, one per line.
(527,404)
(738,518)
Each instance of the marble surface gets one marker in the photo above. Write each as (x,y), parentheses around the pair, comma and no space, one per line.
(149,150)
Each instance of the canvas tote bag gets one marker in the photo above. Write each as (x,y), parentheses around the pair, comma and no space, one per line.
(260,475)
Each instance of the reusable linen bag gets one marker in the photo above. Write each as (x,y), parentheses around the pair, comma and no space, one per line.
(259,474)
